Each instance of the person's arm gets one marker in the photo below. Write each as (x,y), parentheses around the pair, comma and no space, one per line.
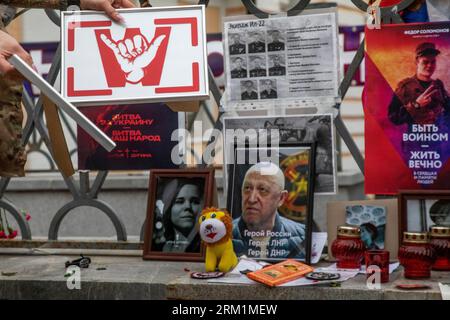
(108,6)
(411,108)
(48,4)
(398,114)
(8,47)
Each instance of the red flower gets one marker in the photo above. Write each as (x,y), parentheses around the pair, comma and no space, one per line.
(2,235)
(12,234)
(27,217)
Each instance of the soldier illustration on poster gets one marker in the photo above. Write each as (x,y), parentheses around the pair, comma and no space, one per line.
(420,98)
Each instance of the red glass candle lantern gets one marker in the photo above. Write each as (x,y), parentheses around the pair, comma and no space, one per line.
(440,242)
(380,259)
(348,248)
(416,255)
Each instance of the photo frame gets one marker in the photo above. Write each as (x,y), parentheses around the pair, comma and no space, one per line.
(421,209)
(337,215)
(303,128)
(296,160)
(175,201)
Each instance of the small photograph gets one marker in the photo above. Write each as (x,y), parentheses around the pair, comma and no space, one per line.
(237,43)
(257,43)
(268,89)
(257,66)
(276,40)
(425,213)
(372,221)
(238,67)
(277,65)
(248,90)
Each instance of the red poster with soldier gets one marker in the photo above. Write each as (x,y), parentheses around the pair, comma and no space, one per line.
(407,107)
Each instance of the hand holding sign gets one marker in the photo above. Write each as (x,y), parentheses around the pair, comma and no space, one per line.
(134,54)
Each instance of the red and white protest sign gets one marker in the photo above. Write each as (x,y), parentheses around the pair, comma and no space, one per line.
(157,54)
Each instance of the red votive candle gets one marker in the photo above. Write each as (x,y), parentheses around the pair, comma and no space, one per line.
(440,242)
(380,259)
(416,255)
(348,248)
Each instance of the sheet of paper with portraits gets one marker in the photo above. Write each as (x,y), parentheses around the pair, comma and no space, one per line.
(262,228)
(407,108)
(268,60)
(438,10)
(262,130)
(176,199)
(337,215)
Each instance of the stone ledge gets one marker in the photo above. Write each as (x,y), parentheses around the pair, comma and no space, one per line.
(42,277)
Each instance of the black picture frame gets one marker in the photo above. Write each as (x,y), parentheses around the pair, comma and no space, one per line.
(235,178)
(423,212)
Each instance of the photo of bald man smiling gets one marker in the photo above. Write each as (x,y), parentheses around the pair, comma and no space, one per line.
(260,231)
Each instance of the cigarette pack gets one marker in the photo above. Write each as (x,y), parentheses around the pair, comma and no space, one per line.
(280,273)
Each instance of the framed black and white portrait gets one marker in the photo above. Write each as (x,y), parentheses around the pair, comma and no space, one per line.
(419,210)
(175,201)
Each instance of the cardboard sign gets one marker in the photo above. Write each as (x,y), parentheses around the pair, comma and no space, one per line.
(158,54)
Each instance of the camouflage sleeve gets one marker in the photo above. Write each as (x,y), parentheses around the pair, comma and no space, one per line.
(47,4)
(12,152)
(7,14)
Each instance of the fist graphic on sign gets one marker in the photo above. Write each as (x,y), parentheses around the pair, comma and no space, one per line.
(133,54)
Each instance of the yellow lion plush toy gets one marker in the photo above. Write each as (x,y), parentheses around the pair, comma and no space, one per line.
(216,228)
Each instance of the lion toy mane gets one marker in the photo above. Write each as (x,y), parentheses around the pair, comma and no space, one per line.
(216,228)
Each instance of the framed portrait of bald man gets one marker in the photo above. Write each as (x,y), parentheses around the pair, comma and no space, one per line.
(272,202)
